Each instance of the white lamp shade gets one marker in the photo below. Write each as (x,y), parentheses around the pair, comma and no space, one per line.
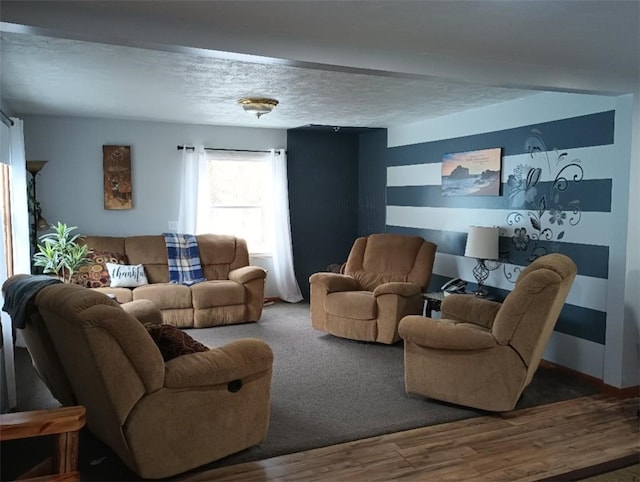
(482,242)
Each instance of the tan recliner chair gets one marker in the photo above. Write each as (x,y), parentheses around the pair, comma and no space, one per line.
(482,353)
(383,281)
(161,418)
(42,352)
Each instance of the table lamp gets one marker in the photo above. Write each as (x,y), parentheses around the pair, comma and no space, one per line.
(482,244)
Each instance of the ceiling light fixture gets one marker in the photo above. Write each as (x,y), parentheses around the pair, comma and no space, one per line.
(257,105)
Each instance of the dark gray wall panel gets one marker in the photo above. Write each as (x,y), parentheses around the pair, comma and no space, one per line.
(588,130)
(372,182)
(323,198)
(591,260)
(593,194)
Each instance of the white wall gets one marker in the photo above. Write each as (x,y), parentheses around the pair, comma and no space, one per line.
(70,186)
(617,361)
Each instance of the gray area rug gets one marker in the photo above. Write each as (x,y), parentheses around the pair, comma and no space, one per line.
(325,390)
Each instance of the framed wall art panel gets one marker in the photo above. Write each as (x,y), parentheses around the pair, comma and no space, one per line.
(116,164)
(473,173)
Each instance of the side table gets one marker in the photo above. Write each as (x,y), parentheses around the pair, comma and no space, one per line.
(432,302)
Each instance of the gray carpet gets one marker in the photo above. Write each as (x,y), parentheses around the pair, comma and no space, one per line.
(325,390)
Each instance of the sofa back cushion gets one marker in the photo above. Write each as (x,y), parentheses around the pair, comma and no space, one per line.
(219,254)
(111,244)
(151,252)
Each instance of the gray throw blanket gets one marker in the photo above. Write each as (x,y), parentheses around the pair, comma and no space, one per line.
(18,293)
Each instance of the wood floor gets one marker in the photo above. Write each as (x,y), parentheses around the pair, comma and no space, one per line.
(540,443)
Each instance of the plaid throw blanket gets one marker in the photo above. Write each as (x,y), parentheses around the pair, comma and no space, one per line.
(184,259)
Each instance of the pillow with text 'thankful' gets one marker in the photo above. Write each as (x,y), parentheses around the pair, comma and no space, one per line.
(126,276)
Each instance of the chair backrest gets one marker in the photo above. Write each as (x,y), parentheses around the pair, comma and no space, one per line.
(44,357)
(110,360)
(529,313)
(383,258)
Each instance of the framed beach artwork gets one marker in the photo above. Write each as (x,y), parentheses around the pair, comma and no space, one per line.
(116,165)
(473,173)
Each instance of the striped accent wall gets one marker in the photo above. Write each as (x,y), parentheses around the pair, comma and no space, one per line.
(555,197)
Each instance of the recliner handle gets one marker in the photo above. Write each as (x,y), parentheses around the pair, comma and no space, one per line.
(234,386)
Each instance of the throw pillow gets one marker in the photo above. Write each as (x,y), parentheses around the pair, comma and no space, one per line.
(126,276)
(95,273)
(173,342)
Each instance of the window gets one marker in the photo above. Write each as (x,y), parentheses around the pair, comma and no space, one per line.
(238,197)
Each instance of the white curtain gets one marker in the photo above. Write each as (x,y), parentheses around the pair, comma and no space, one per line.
(283,274)
(12,153)
(194,169)
(19,205)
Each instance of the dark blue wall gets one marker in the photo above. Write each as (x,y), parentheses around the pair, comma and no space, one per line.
(336,193)
(372,187)
(323,198)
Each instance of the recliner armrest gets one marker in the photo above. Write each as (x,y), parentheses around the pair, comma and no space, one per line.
(445,334)
(470,309)
(241,359)
(334,282)
(247,273)
(397,288)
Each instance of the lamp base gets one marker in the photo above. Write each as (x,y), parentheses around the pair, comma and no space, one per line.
(480,273)
(481,293)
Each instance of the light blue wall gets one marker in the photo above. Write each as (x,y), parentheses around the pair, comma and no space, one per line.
(70,186)
(594,132)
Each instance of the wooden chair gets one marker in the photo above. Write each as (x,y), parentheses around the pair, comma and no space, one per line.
(64,423)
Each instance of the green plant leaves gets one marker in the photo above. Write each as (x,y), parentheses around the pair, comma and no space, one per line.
(60,253)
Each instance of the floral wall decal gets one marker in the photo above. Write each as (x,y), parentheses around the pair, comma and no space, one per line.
(548,213)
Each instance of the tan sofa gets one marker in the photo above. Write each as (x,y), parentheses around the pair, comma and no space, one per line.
(233,292)
(482,353)
(161,418)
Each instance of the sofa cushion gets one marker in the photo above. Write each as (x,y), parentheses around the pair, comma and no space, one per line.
(357,305)
(166,296)
(126,276)
(95,274)
(173,342)
(217,293)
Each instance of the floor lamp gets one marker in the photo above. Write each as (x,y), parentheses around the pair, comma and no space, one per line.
(37,221)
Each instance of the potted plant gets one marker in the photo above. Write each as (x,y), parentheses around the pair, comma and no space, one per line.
(60,253)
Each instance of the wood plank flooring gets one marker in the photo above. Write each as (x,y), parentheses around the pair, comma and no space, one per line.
(524,445)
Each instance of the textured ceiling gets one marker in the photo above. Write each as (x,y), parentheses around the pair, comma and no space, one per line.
(350,63)
(90,79)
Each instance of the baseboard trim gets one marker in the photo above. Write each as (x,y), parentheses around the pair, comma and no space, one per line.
(628,392)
